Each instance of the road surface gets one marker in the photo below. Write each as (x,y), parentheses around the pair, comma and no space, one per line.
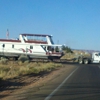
(82,82)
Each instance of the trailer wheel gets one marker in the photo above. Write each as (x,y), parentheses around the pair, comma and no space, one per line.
(80,61)
(86,61)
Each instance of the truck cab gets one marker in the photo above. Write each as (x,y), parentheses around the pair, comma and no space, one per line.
(96,57)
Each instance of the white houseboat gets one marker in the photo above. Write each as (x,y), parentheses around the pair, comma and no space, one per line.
(32,45)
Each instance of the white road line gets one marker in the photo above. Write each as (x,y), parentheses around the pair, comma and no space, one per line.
(50,95)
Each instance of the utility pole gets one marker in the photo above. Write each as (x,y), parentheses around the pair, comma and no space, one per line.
(7,34)
(58,42)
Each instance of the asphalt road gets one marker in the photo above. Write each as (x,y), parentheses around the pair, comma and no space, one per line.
(82,82)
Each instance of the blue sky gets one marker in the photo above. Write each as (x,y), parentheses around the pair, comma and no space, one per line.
(75,23)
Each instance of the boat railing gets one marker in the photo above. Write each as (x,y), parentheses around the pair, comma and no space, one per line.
(35,41)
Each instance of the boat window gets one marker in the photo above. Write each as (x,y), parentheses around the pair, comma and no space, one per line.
(44,47)
(3,45)
(49,48)
(12,46)
(57,49)
(51,40)
(36,38)
(31,47)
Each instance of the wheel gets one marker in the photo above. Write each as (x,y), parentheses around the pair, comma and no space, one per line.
(86,61)
(80,61)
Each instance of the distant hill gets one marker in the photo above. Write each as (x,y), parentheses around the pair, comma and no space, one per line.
(88,51)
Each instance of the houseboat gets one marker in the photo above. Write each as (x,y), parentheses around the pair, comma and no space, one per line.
(32,45)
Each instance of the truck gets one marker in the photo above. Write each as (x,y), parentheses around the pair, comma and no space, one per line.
(93,58)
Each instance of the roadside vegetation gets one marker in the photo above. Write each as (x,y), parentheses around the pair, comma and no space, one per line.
(12,69)
(68,53)
(67,49)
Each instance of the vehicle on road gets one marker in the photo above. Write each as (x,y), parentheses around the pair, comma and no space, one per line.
(93,58)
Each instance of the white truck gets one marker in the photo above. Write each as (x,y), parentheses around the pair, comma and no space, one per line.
(95,58)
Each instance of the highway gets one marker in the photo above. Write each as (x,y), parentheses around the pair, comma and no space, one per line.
(81,82)
(84,84)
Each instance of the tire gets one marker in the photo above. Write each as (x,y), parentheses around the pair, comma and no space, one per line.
(86,61)
(80,61)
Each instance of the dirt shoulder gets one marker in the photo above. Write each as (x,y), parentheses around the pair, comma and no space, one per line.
(10,89)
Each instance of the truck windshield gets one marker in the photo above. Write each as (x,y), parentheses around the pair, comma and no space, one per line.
(98,54)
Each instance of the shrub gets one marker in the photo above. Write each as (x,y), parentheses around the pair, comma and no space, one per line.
(3,61)
(23,58)
(67,49)
(26,62)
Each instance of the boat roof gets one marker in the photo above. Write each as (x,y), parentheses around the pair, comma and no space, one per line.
(43,35)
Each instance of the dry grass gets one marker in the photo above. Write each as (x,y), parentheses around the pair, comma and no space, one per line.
(68,56)
(11,69)
(75,54)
